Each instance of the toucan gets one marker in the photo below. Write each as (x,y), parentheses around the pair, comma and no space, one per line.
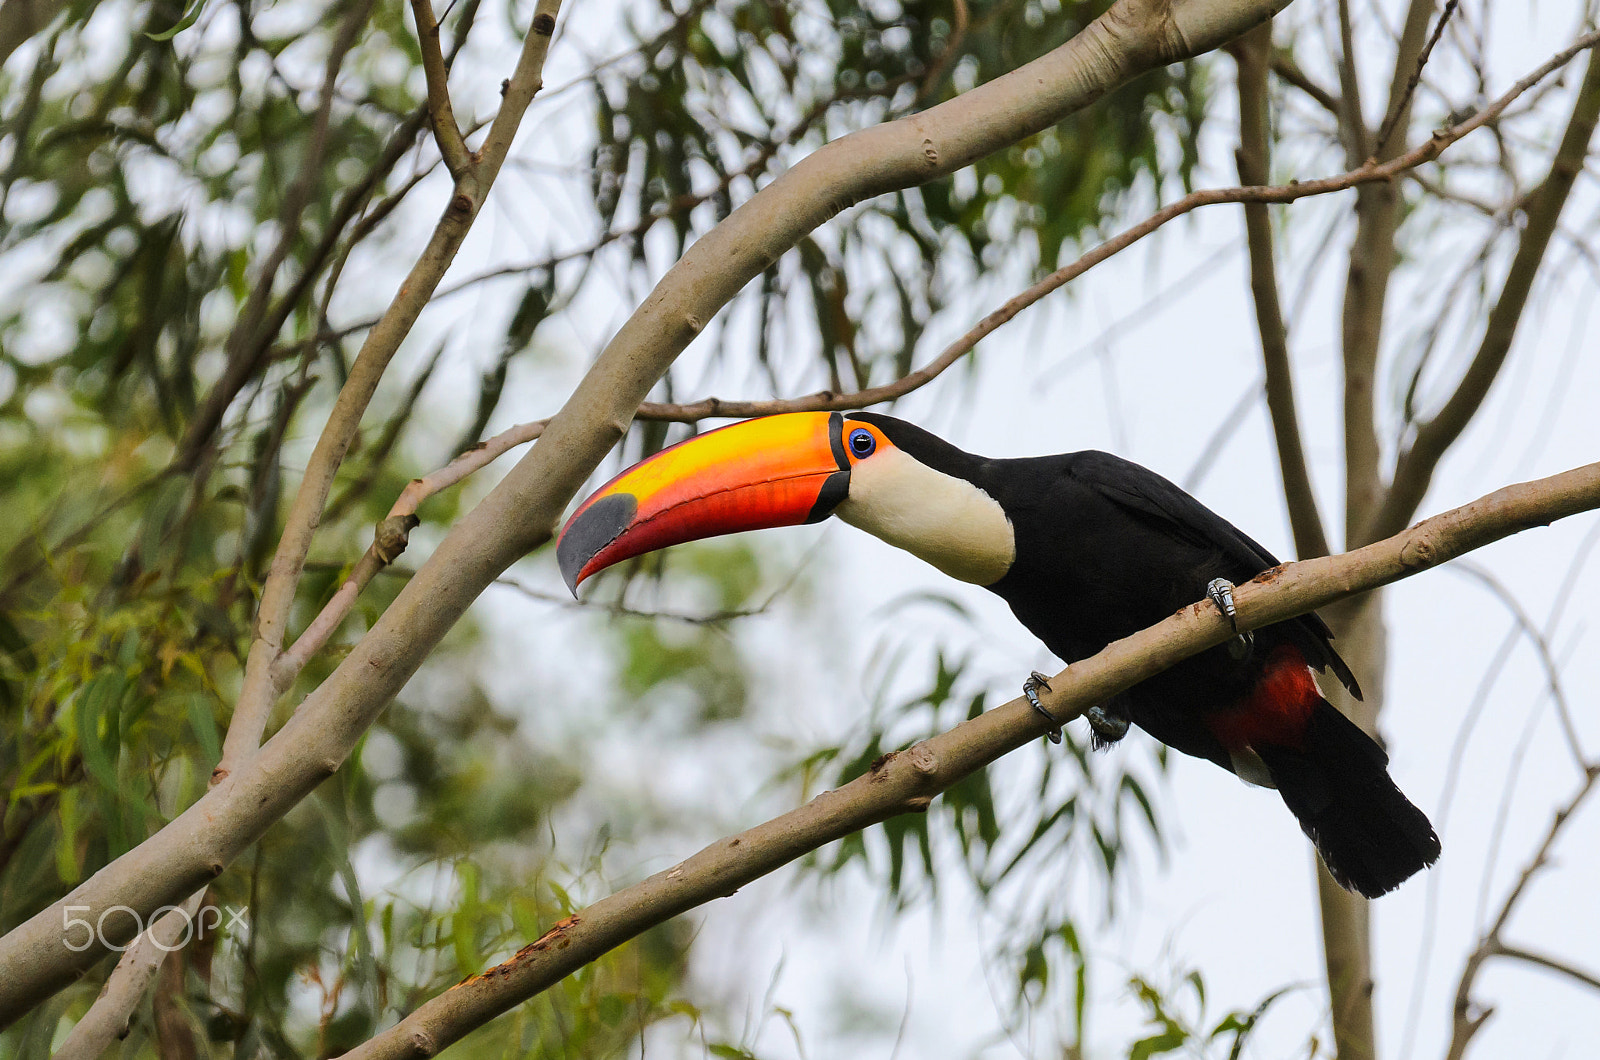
(1086,548)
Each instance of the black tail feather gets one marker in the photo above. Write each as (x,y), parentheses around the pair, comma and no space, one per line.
(1337,784)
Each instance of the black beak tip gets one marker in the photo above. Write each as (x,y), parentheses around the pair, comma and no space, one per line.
(590,531)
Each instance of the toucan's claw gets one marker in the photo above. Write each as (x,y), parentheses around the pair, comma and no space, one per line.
(1105,728)
(1221,592)
(1030,688)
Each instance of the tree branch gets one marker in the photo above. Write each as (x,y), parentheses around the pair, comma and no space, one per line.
(1367,287)
(522,510)
(446,133)
(390,539)
(1284,66)
(1402,103)
(1305,520)
(109,1017)
(1468,1019)
(907,781)
(1368,173)
(262,682)
(1415,467)
(1517,953)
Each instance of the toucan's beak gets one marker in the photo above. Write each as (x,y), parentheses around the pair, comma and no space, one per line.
(777,471)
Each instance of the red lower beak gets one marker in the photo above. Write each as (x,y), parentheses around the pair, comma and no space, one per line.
(778,471)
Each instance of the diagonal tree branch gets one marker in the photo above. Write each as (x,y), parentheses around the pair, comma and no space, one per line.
(1542,208)
(1284,66)
(907,781)
(446,133)
(1402,103)
(109,1017)
(1368,173)
(521,512)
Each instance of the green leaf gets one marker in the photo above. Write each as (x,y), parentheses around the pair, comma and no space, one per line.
(182,24)
(99,701)
(1168,1041)
(204,726)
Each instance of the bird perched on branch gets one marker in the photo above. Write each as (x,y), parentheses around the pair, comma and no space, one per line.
(1087,548)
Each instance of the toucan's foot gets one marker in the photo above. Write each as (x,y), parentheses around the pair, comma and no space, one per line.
(1030,688)
(1105,728)
(1221,592)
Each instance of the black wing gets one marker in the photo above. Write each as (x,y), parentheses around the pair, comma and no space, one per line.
(1142,492)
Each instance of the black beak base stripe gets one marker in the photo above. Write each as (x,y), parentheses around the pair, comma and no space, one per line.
(837,487)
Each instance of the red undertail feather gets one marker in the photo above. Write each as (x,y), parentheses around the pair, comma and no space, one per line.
(1332,776)
(1277,710)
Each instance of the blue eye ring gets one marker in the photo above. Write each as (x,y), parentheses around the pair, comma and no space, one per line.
(862,443)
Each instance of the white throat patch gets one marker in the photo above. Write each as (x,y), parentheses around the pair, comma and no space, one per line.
(944,520)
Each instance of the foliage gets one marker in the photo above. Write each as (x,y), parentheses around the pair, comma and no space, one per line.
(723,97)
(181,193)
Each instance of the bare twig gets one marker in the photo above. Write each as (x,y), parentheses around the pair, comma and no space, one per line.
(906,782)
(1468,1018)
(1368,173)
(1284,66)
(1400,104)
(390,539)
(446,133)
(265,679)
(1415,467)
(1544,961)
(1541,645)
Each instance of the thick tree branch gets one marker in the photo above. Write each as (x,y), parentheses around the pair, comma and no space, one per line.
(1542,208)
(1368,173)
(907,781)
(1372,255)
(521,512)
(1252,54)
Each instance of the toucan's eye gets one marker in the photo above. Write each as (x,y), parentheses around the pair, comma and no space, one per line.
(862,443)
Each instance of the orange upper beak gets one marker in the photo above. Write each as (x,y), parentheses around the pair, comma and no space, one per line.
(778,471)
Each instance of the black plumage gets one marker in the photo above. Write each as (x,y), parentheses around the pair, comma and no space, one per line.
(1104,548)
